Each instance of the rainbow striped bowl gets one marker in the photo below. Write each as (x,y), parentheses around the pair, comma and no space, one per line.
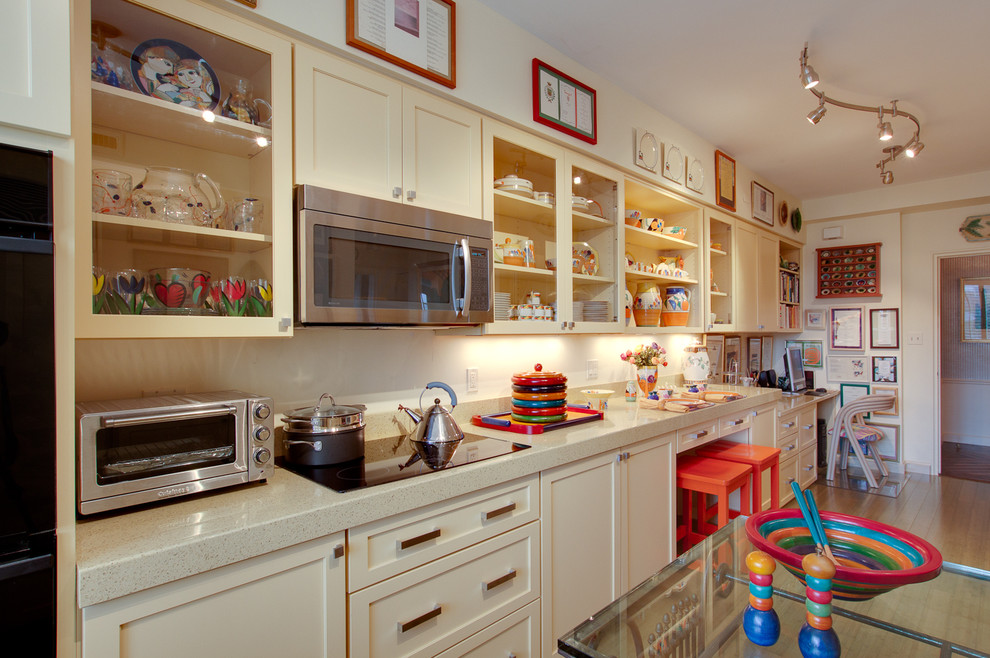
(873,558)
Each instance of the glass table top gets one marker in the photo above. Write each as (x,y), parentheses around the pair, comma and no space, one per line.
(694,607)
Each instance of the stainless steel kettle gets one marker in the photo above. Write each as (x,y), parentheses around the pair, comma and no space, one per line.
(436,434)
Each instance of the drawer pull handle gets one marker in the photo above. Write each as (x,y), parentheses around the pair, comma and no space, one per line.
(808,468)
(787,425)
(789,448)
(698,435)
(427,536)
(733,423)
(789,480)
(488,516)
(422,619)
(808,427)
(338,551)
(501,580)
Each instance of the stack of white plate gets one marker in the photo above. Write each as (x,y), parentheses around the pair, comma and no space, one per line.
(578,311)
(596,312)
(502,300)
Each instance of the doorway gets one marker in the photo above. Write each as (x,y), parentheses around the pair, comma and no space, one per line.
(964,366)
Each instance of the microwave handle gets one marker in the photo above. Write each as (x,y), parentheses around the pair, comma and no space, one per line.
(168,415)
(465,303)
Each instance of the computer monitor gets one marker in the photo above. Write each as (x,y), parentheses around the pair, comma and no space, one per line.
(794,368)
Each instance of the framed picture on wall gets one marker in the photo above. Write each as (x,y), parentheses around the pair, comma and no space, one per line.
(889,446)
(563,103)
(851,392)
(767,348)
(725,181)
(755,351)
(762,204)
(733,360)
(716,349)
(814,318)
(885,369)
(848,368)
(887,390)
(811,352)
(845,328)
(883,329)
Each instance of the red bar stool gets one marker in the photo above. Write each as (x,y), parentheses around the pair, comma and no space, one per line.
(759,458)
(707,475)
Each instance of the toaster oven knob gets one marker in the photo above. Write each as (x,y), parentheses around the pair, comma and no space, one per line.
(262,433)
(262,411)
(262,455)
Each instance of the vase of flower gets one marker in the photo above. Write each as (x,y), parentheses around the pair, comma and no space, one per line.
(646,378)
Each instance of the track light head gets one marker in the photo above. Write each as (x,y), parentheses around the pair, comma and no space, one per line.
(887,177)
(809,78)
(816,114)
(886,131)
(914,148)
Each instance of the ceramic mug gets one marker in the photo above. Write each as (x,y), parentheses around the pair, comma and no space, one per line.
(533,297)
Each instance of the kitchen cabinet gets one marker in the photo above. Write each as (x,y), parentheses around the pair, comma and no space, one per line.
(517,634)
(362,132)
(132,131)
(756,270)
(35,85)
(566,254)
(762,433)
(613,511)
(669,257)
(721,290)
(789,289)
(294,597)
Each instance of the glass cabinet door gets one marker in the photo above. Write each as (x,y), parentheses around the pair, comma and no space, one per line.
(190,218)
(720,282)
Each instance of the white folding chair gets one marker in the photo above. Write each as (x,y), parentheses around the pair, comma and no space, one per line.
(849,425)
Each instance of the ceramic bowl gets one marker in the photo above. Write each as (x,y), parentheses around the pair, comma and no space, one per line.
(675,231)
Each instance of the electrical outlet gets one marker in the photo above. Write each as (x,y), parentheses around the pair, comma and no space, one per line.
(916,338)
(592,368)
(472,380)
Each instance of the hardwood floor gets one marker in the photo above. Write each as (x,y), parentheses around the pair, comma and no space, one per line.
(963,460)
(952,514)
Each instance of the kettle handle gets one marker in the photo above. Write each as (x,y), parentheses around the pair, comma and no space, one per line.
(450,392)
(218,208)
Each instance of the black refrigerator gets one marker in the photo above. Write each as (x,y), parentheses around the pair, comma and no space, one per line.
(27,404)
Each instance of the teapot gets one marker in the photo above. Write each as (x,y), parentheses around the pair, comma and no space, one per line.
(178,196)
(436,435)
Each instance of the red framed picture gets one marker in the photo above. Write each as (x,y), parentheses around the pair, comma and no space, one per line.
(725,181)
(563,103)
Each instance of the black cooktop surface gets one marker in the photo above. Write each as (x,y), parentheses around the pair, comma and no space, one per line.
(391,466)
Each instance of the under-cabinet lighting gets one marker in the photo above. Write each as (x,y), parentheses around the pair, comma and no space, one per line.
(262,141)
(208,116)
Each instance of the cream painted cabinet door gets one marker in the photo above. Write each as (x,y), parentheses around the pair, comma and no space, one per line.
(579,524)
(756,264)
(292,600)
(441,154)
(648,509)
(365,133)
(34,81)
(767,264)
(348,126)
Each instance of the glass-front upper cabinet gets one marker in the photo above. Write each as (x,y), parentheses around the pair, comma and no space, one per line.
(664,264)
(720,284)
(789,315)
(188,228)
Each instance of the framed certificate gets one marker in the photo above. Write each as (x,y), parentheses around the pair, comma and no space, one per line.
(563,103)
(725,181)
(846,328)
(883,328)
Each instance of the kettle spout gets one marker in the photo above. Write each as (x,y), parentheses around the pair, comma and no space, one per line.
(412,414)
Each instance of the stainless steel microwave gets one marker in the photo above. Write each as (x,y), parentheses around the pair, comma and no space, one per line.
(147,449)
(364,261)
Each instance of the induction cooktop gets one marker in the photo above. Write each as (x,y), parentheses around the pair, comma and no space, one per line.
(379,467)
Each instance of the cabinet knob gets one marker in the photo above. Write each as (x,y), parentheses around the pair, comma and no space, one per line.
(411,195)
(570,325)
(338,551)
(396,192)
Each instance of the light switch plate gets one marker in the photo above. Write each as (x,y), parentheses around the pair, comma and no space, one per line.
(916,338)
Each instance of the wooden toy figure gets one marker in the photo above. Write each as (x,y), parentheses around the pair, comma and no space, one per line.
(817,638)
(760,621)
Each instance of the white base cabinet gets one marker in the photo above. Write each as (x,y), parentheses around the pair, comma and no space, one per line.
(607,525)
(292,601)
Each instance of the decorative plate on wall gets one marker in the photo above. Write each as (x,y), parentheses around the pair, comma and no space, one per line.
(696,175)
(673,163)
(647,150)
(784,212)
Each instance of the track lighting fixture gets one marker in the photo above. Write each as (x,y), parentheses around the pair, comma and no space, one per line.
(809,78)
(816,114)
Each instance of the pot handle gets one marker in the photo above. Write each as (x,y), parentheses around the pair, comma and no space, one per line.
(317,446)
(218,208)
(450,392)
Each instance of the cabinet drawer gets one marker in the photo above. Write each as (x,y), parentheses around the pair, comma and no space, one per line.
(808,427)
(734,422)
(807,466)
(788,474)
(786,426)
(516,635)
(382,549)
(696,435)
(433,607)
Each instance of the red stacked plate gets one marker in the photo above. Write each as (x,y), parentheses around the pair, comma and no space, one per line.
(538,396)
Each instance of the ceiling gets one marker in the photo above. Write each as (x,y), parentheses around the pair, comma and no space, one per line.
(728,71)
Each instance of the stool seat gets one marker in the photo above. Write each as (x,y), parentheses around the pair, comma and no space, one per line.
(759,458)
(707,475)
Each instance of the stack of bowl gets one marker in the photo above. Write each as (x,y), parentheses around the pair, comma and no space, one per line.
(539,397)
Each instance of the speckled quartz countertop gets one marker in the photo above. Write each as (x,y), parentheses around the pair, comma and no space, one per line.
(132,551)
(789,403)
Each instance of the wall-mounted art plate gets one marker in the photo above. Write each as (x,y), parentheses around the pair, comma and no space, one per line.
(696,175)
(673,163)
(647,149)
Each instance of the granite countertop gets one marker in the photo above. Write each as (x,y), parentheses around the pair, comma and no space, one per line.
(130,551)
(791,403)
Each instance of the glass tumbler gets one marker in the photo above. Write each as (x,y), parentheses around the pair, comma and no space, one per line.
(247,215)
(111,192)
